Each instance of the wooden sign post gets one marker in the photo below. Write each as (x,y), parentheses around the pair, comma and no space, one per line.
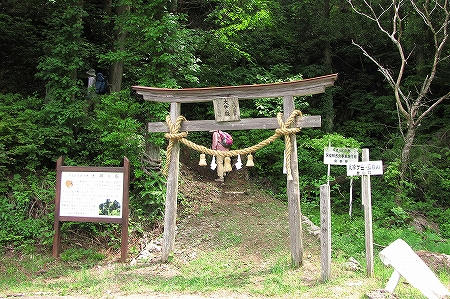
(91,194)
(325,232)
(365,169)
(287,90)
(366,195)
(331,156)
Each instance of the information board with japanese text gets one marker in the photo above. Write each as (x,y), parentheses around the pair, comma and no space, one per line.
(365,168)
(91,194)
(339,155)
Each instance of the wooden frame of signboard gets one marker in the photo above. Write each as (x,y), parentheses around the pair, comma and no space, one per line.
(123,219)
(285,90)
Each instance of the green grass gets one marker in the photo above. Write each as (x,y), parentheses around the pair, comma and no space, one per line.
(218,270)
(88,256)
(244,251)
(348,234)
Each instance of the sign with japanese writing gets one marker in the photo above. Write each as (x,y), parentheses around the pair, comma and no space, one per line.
(227,109)
(339,155)
(365,168)
(91,194)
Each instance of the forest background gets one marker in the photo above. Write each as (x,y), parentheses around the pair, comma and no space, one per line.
(45,111)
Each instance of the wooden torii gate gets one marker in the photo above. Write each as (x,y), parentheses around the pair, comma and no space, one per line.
(287,90)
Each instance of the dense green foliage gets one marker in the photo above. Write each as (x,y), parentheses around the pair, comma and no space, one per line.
(46,112)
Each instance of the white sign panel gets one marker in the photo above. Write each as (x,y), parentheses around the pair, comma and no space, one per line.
(339,155)
(91,194)
(365,168)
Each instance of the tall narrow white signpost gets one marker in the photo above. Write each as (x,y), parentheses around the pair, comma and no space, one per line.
(331,156)
(365,169)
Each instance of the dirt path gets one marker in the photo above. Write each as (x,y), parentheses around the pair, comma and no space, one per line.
(239,215)
(233,242)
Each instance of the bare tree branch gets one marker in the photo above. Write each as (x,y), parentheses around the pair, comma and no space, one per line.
(373,16)
(409,111)
(398,95)
(439,44)
(399,122)
(441,99)
(436,18)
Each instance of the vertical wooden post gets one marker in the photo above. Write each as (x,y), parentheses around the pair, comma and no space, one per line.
(170,213)
(367,202)
(56,224)
(293,192)
(325,231)
(125,210)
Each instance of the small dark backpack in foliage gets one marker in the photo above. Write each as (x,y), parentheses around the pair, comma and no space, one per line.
(100,84)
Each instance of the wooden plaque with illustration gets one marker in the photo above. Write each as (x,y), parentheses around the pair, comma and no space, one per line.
(91,194)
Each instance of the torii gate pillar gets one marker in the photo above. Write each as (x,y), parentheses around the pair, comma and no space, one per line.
(287,90)
(293,193)
(170,213)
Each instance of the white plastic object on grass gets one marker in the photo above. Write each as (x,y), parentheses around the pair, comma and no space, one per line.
(409,265)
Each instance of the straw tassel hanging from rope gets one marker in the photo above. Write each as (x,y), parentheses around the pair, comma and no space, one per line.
(250,161)
(202,161)
(227,164)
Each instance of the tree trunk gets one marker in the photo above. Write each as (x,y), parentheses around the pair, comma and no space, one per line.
(327,98)
(406,151)
(116,74)
(151,158)
(116,71)
(108,6)
(174,6)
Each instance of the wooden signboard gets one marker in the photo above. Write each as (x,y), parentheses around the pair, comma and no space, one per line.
(91,194)
(226,109)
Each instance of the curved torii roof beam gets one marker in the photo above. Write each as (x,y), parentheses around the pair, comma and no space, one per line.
(194,95)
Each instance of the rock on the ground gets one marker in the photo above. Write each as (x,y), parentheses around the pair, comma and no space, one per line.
(380,294)
(311,227)
(150,252)
(436,261)
(421,223)
(352,265)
